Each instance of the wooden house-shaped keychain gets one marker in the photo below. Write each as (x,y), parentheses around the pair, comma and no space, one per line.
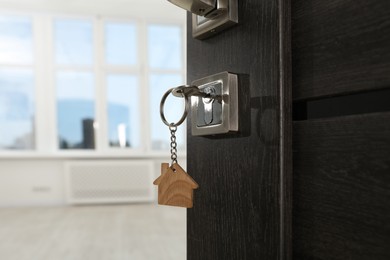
(175,186)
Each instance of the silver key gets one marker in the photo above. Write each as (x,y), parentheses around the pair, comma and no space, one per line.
(208,110)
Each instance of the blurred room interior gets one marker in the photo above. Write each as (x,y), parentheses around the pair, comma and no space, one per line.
(81,138)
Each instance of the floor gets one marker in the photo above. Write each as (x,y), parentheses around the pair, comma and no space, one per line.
(123,232)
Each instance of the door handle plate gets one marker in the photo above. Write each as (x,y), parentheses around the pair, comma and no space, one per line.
(224,17)
(198,7)
(210,17)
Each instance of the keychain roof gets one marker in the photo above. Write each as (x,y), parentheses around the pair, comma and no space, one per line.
(175,186)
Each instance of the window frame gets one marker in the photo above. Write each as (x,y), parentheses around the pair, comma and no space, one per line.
(46,138)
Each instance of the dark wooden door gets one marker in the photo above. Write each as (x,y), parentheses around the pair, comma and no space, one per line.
(341,140)
(242,207)
(334,201)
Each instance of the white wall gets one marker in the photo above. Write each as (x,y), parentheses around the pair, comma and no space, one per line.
(39,181)
(31,182)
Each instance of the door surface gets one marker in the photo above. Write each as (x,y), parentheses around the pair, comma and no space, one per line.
(341,140)
(317,188)
(242,207)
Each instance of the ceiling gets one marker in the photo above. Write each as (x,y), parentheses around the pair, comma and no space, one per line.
(151,9)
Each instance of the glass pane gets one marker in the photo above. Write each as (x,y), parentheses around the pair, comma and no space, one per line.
(17,109)
(121,44)
(75,110)
(165,47)
(173,109)
(123,110)
(73,42)
(16,44)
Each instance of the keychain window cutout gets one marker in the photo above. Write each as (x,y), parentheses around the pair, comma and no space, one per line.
(175,186)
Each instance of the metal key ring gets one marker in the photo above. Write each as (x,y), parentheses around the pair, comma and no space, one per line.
(162,103)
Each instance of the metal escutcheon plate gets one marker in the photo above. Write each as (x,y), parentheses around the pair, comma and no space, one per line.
(221,115)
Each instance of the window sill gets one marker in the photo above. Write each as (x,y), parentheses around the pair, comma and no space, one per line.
(86,155)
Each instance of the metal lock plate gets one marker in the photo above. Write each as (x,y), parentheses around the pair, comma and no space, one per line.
(217,115)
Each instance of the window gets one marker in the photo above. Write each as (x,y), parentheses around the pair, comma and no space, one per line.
(106,78)
(121,43)
(16,41)
(123,110)
(122,84)
(75,109)
(164,45)
(17,83)
(166,71)
(75,83)
(73,42)
(160,133)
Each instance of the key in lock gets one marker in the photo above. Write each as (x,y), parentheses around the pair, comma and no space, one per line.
(218,116)
(210,109)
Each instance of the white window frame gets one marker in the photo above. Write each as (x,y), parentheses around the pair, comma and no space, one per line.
(46,138)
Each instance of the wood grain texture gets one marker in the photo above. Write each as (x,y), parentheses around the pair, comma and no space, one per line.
(341,202)
(340,46)
(242,207)
(175,186)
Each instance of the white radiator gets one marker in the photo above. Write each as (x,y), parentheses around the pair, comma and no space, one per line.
(108,181)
